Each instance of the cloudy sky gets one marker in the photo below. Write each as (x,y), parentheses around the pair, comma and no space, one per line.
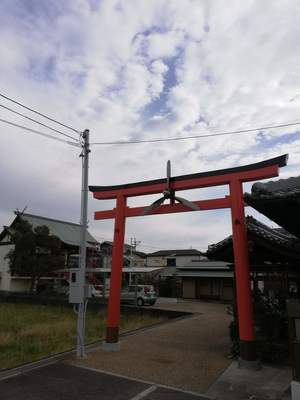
(149,69)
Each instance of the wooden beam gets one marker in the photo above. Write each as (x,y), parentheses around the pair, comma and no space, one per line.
(212,204)
(187,184)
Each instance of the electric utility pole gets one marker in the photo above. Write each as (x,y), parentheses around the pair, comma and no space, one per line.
(80,349)
(133,244)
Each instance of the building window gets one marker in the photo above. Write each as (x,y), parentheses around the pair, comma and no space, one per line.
(171,262)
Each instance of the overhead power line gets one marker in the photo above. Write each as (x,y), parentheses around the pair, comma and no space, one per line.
(38,122)
(204,135)
(40,133)
(39,113)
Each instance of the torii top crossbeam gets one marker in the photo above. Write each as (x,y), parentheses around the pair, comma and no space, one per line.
(252,172)
(234,178)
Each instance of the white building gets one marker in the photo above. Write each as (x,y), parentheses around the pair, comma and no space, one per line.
(175,258)
(188,273)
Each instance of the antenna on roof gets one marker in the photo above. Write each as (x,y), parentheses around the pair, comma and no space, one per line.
(18,212)
(24,209)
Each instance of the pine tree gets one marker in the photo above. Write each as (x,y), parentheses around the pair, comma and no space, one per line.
(36,253)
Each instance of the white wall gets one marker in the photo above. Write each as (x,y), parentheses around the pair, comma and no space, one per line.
(20,285)
(4,267)
(181,261)
(156,262)
(139,261)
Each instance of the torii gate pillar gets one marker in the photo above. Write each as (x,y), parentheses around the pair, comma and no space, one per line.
(232,177)
(112,330)
(242,273)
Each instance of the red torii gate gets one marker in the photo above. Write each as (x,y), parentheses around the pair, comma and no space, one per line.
(234,178)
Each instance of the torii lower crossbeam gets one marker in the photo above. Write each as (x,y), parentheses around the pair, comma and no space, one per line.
(233,178)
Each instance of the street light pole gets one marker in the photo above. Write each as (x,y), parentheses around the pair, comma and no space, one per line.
(80,348)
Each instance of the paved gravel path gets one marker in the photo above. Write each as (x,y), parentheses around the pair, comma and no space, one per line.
(188,354)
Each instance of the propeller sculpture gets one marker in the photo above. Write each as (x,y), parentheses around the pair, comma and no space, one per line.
(169,193)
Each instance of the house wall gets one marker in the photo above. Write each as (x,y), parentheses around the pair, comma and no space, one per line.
(139,261)
(20,285)
(227,289)
(208,288)
(181,261)
(188,288)
(156,262)
(5,281)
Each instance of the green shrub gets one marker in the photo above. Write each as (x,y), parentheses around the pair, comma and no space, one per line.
(271,328)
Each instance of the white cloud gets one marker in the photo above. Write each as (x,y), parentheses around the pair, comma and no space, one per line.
(146,70)
(162,45)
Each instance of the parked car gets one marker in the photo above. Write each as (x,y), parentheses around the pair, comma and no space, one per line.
(140,295)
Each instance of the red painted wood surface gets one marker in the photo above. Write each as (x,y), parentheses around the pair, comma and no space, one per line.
(241,262)
(117,264)
(186,184)
(213,204)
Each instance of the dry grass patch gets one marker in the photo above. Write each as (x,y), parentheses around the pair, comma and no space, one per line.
(31,332)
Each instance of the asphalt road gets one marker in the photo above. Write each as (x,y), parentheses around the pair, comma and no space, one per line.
(68,382)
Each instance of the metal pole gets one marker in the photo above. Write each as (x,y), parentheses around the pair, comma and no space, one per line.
(80,349)
(131,260)
(134,243)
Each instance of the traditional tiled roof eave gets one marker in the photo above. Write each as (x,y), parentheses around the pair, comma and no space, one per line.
(279,201)
(175,253)
(289,187)
(273,240)
(67,232)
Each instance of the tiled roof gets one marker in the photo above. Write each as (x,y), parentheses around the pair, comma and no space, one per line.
(203,269)
(281,188)
(279,239)
(206,264)
(67,232)
(279,201)
(278,236)
(174,253)
(140,253)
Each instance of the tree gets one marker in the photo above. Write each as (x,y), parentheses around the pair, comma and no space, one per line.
(271,328)
(36,253)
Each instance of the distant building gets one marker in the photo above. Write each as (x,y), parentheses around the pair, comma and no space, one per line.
(132,257)
(67,232)
(187,273)
(209,280)
(206,280)
(174,258)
